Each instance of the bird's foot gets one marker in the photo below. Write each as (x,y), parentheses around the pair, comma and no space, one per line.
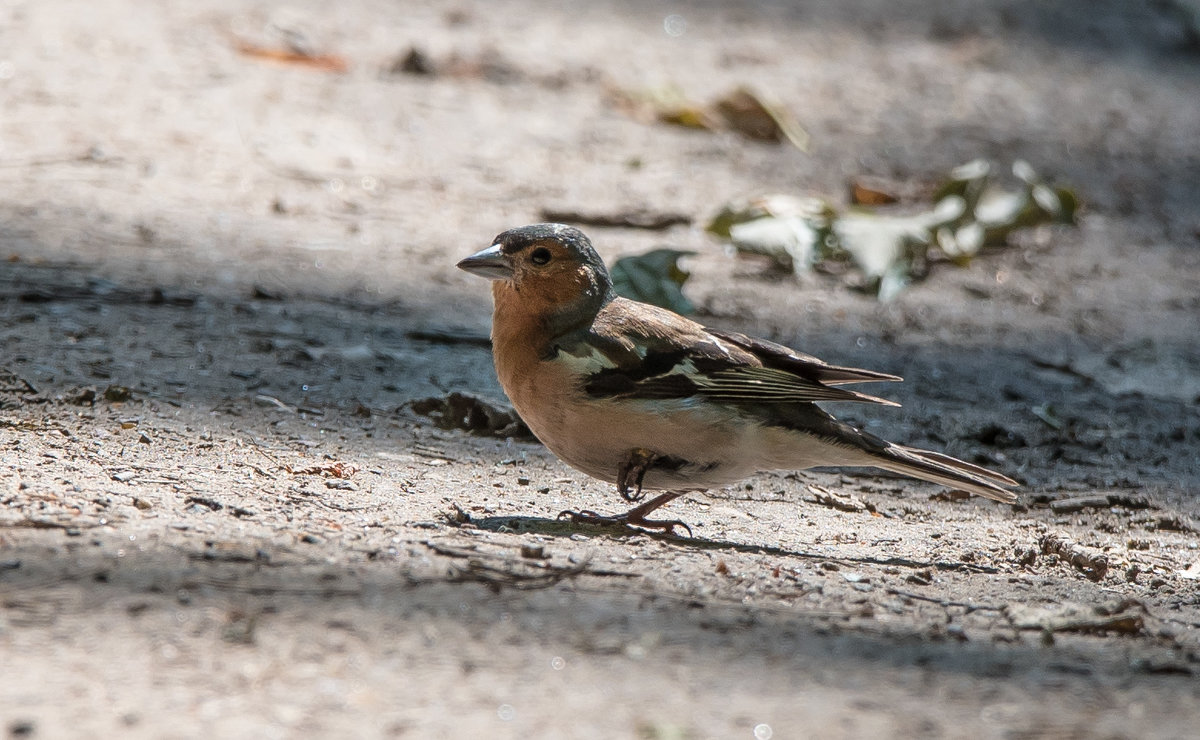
(635,517)
(632,471)
(624,520)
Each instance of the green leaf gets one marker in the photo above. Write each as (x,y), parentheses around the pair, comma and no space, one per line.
(884,247)
(774,206)
(653,277)
(791,231)
(792,242)
(969,212)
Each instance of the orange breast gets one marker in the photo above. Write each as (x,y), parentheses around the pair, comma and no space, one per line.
(518,340)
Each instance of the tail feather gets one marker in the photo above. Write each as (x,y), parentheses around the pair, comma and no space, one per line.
(948,471)
(833,442)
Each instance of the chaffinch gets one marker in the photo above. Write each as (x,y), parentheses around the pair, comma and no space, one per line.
(644,398)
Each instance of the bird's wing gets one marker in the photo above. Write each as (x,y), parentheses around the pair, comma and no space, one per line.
(779,357)
(637,351)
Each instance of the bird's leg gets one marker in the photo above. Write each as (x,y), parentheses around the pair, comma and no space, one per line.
(630,475)
(635,517)
(631,472)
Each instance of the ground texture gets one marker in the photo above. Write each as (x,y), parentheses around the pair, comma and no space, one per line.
(228,278)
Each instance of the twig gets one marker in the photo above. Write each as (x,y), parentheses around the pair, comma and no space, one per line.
(257,469)
(503,574)
(32,523)
(938,564)
(946,602)
(93,155)
(635,219)
(842,502)
(1102,501)
(1093,565)
(494,578)
(444,336)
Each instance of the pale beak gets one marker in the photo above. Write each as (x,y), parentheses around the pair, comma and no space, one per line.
(489,263)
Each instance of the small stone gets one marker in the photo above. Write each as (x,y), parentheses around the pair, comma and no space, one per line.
(117,394)
(415,62)
(533,551)
(921,577)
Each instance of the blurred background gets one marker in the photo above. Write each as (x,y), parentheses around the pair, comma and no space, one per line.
(356,151)
(232,226)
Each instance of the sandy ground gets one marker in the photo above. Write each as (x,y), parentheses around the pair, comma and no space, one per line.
(227,278)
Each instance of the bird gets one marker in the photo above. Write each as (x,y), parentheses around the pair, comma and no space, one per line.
(641,397)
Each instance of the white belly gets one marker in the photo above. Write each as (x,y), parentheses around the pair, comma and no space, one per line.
(717,445)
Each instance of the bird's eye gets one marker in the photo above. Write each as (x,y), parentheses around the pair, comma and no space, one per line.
(540,256)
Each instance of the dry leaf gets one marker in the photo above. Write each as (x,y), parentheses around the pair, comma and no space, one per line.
(333,470)
(756,117)
(324,62)
(864,193)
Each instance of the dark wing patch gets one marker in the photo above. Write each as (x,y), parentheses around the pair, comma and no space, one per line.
(779,357)
(768,385)
(744,385)
(660,374)
(618,384)
(651,353)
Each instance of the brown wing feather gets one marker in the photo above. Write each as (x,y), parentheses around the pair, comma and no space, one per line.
(654,353)
(779,357)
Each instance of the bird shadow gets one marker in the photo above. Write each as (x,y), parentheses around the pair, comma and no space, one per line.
(566,528)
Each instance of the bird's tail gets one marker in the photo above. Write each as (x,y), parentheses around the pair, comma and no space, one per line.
(948,471)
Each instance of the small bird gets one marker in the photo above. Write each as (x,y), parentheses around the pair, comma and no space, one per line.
(642,397)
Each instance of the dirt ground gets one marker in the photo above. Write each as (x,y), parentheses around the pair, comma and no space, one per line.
(228,277)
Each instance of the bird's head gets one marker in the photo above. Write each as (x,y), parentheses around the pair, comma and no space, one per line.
(548,270)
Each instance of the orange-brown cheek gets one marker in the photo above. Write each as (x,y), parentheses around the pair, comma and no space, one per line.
(546,292)
(562,287)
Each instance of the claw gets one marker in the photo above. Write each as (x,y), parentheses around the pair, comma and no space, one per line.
(635,517)
(632,472)
(583,515)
